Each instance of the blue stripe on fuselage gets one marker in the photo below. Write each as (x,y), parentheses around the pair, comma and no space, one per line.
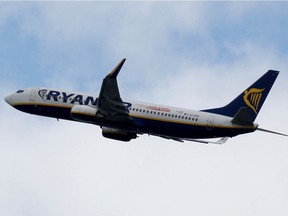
(184,129)
(59,112)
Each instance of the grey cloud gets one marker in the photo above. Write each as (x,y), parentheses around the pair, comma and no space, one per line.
(62,168)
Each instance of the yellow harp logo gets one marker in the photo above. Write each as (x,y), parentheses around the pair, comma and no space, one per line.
(252,98)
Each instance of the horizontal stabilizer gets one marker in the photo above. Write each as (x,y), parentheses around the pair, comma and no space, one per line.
(242,117)
(273,132)
(219,142)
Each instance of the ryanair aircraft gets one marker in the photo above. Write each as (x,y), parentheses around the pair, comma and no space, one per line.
(125,120)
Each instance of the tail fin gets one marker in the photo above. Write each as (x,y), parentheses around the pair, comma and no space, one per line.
(251,99)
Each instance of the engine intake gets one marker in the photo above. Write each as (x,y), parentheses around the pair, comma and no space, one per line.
(118,134)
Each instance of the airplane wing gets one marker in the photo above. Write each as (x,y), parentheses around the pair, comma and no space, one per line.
(109,101)
(219,142)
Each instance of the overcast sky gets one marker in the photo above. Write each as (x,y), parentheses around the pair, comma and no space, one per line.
(187,54)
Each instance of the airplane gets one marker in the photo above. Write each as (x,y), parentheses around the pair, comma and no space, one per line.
(125,120)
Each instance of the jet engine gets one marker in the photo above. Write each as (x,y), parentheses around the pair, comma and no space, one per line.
(118,134)
(84,113)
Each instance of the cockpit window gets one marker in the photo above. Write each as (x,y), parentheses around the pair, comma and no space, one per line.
(20,91)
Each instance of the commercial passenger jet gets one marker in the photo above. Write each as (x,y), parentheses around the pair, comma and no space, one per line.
(124,120)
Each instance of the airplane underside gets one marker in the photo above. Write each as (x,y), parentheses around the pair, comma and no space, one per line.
(144,125)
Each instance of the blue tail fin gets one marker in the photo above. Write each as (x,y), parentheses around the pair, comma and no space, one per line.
(252,98)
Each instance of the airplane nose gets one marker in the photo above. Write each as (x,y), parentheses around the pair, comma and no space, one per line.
(9,99)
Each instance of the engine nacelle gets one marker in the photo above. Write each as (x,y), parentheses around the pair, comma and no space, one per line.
(84,113)
(118,134)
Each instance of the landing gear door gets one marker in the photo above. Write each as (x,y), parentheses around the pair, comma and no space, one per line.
(33,94)
(210,123)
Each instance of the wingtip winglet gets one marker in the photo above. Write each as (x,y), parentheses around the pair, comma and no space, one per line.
(114,73)
(274,71)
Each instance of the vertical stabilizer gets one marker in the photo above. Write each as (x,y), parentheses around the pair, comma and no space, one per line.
(251,99)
